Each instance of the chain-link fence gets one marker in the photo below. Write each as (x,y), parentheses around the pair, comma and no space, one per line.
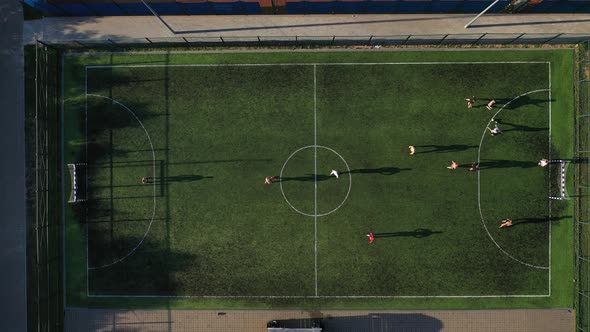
(44,230)
(45,275)
(442,40)
(582,183)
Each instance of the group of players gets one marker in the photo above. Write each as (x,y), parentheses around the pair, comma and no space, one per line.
(496,130)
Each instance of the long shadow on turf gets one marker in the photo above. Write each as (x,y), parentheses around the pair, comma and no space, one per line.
(185,178)
(153,269)
(218,161)
(523,221)
(417,233)
(501,163)
(381,170)
(307,178)
(526,100)
(432,148)
(517,127)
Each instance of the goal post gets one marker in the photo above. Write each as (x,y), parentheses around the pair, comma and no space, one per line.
(562,179)
(78,192)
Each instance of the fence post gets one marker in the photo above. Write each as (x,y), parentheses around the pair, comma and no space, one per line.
(515,39)
(445,37)
(148,40)
(406,41)
(550,39)
(478,39)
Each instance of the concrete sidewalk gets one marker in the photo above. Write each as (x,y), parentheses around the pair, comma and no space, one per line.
(556,320)
(119,27)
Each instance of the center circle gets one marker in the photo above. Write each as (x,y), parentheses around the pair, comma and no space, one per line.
(314,178)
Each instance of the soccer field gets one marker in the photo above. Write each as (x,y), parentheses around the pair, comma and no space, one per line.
(206,129)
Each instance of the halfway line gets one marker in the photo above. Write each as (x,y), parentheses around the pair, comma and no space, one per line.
(315,172)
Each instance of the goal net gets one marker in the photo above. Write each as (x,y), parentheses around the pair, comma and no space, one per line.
(562,179)
(78,188)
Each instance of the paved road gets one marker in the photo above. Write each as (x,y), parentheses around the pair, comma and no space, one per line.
(13,285)
(67,28)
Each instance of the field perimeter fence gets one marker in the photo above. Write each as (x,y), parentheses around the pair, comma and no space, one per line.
(45,258)
(44,229)
(582,187)
(442,40)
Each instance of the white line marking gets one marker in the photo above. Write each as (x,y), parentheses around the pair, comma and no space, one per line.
(550,201)
(349,183)
(315,172)
(316,64)
(309,64)
(479,186)
(324,297)
(154,184)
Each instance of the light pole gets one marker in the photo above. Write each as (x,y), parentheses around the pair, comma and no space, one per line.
(158,16)
(483,12)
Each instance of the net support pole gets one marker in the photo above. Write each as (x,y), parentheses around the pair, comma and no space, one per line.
(159,18)
(483,12)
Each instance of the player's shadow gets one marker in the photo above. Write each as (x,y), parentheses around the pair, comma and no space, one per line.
(381,170)
(185,178)
(307,178)
(417,233)
(542,220)
(433,148)
(506,164)
(517,127)
(527,100)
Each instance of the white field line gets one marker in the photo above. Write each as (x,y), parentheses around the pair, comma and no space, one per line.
(322,297)
(315,172)
(550,201)
(315,145)
(347,171)
(154,186)
(479,186)
(314,64)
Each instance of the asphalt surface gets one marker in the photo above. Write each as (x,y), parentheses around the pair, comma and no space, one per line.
(13,281)
(518,320)
(139,27)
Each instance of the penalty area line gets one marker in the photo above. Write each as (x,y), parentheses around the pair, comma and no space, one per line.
(154,187)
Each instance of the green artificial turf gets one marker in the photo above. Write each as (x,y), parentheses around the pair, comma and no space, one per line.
(209,229)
